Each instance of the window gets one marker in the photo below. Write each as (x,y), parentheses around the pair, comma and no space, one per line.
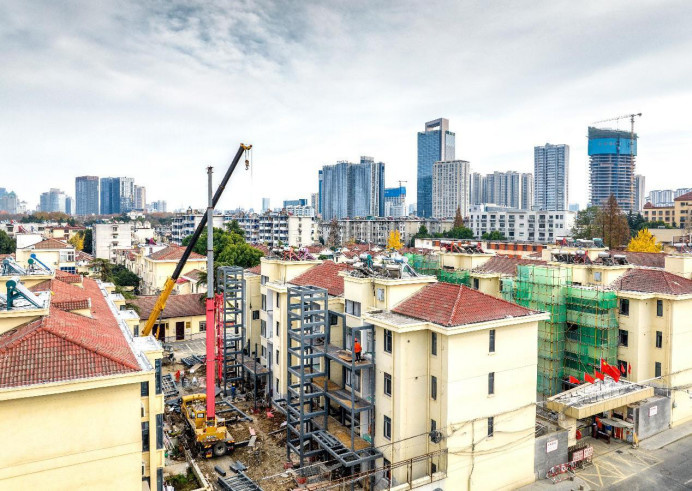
(491,383)
(659,308)
(491,425)
(277,328)
(66,256)
(387,384)
(264,302)
(333,319)
(623,337)
(433,387)
(159,431)
(353,308)
(145,436)
(277,357)
(659,339)
(433,343)
(433,425)
(157,364)
(352,381)
(278,301)
(387,428)
(264,351)
(387,341)
(255,315)
(491,341)
(264,279)
(597,276)
(202,326)
(380,294)
(623,365)
(263,328)
(624,306)
(476,283)
(144,389)
(657,369)
(159,479)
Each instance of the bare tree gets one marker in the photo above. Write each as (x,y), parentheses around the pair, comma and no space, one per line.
(611,223)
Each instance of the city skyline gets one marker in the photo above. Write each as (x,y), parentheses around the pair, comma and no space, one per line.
(162,128)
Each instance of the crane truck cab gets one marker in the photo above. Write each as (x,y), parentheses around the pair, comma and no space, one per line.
(211,437)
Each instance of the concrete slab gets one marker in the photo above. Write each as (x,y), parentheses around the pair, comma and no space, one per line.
(667,437)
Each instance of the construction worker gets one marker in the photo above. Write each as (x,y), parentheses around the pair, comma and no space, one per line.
(357,349)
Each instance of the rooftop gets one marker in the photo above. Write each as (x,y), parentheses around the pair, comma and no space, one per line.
(645,280)
(505,265)
(176,305)
(65,346)
(254,270)
(325,275)
(684,197)
(457,305)
(173,253)
(65,296)
(645,259)
(51,244)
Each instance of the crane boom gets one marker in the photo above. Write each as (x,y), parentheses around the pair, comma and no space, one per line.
(624,116)
(170,282)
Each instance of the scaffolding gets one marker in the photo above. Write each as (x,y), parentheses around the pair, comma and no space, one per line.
(582,328)
(231,323)
(430,265)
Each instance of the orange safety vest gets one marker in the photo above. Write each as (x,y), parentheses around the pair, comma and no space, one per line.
(357,348)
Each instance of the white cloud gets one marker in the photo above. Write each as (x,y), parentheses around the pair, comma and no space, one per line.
(160,90)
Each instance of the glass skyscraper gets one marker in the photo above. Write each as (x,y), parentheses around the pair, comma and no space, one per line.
(551,177)
(117,195)
(352,190)
(611,167)
(87,195)
(435,144)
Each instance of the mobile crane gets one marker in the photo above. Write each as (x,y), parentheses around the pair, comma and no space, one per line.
(199,410)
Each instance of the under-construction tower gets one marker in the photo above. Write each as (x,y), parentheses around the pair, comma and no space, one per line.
(612,156)
(231,326)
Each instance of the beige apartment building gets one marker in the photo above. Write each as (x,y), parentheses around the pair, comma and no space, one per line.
(156,266)
(677,215)
(80,398)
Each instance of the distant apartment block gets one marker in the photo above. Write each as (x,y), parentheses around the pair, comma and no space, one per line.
(509,189)
(352,190)
(53,200)
(395,202)
(159,206)
(377,230)
(665,197)
(551,177)
(87,195)
(612,155)
(639,192)
(108,238)
(450,189)
(117,195)
(522,225)
(140,201)
(435,144)
(295,202)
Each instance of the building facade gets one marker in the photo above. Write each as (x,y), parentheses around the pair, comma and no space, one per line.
(117,195)
(108,238)
(140,200)
(377,230)
(87,195)
(353,190)
(551,177)
(639,192)
(436,143)
(53,200)
(522,225)
(395,202)
(450,191)
(612,155)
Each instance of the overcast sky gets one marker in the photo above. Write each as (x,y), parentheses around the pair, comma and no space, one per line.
(159,90)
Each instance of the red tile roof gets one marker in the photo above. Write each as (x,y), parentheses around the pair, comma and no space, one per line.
(255,269)
(66,346)
(684,197)
(325,275)
(193,274)
(653,281)
(64,296)
(457,305)
(645,259)
(83,256)
(176,305)
(173,253)
(52,244)
(66,277)
(505,265)
(261,247)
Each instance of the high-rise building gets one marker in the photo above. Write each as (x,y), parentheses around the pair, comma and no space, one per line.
(69,205)
(159,206)
(314,202)
(140,201)
(450,189)
(477,182)
(505,189)
(295,202)
(395,202)
(117,195)
(353,190)
(52,201)
(435,144)
(612,156)
(551,177)
(9,201)
(265,204)
(320,189)
(639,192)
(87,195)
(526,200)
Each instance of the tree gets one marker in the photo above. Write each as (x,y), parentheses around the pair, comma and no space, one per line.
(494,235)
(458,220)
(234,227)
(394,240)
(7,243)
(458,233)
(122,276)
(611,224)
(88,241)
(636,222)
(333,237)
(77,240)
(230,248)
(585,223)
(102,267)
(644,242)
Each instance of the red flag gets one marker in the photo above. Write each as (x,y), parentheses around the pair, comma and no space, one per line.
(622,368)
(613,372)
(574,380)
(589,378)
(615,375)
(603,365)
(629,368)
(599,375)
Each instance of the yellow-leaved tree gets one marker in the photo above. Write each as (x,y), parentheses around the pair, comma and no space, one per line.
(77,241)
(644,241)
(394,240)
